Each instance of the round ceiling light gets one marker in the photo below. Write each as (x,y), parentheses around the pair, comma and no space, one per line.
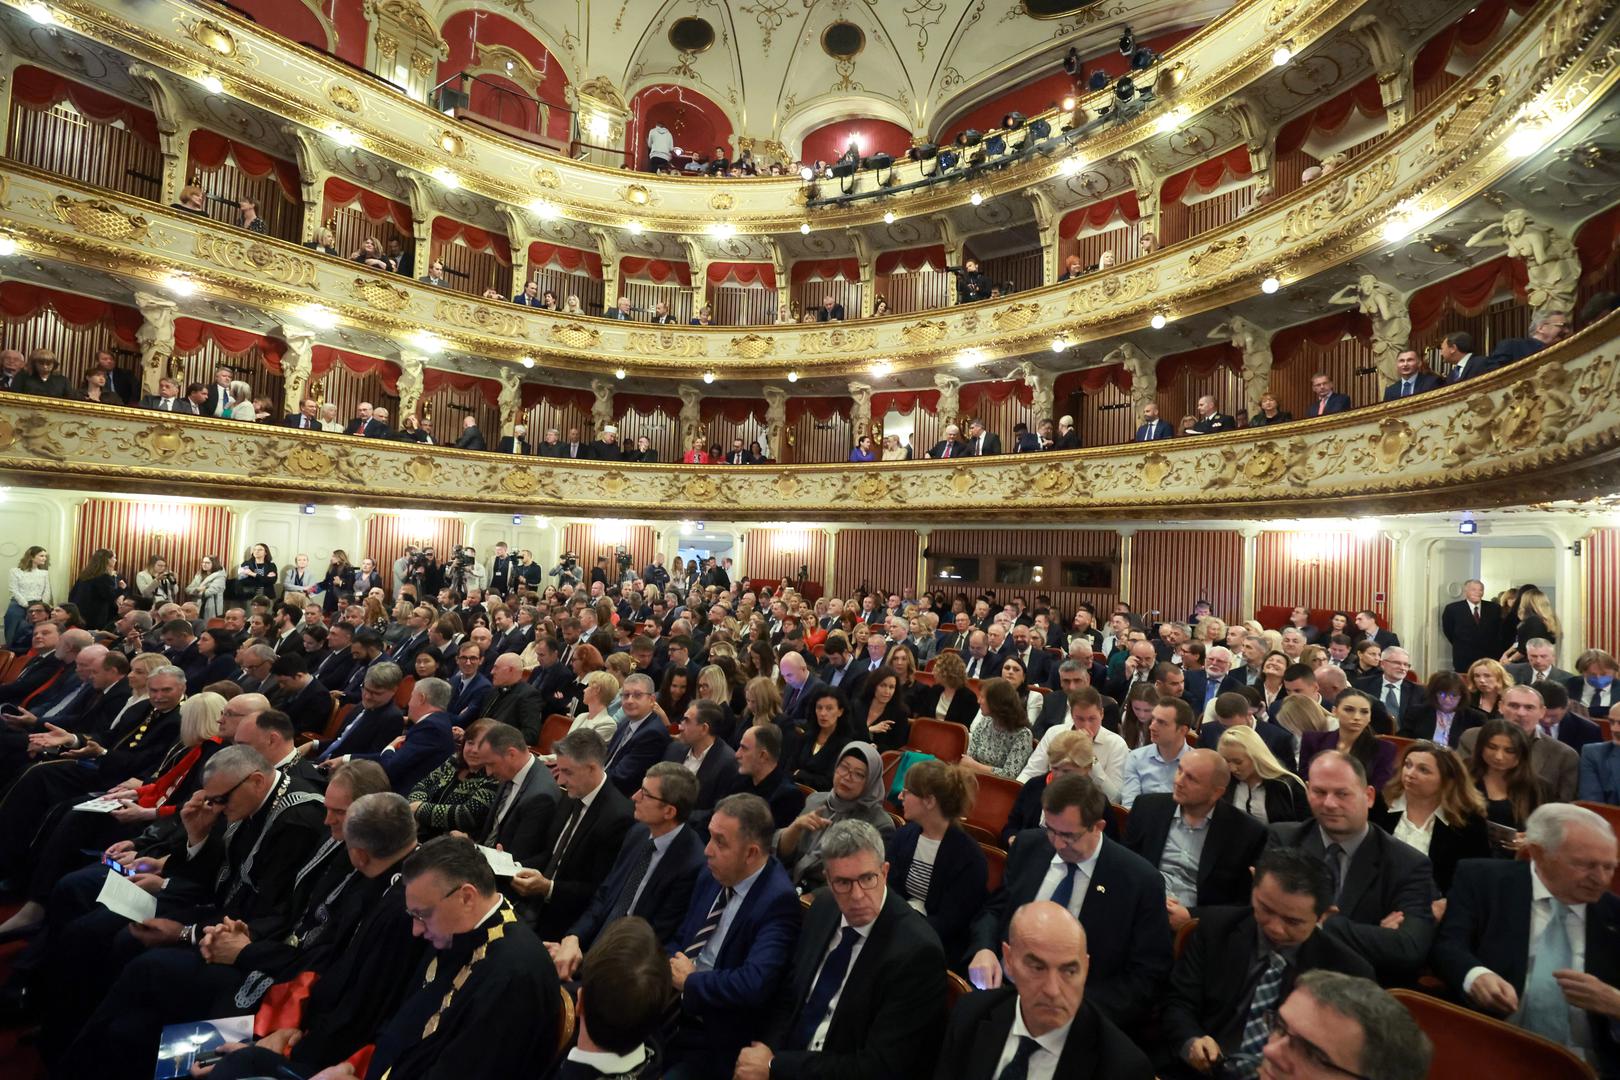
(691,35)
(843,40)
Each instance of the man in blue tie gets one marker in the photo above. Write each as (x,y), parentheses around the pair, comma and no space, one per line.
(1153,428)
(1413,379)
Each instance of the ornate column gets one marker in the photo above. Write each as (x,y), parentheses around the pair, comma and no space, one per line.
(1255,341)
(923,534)
(1146,185)
(860,414)
(779,264)
(405,47)
(297,365)
(155,338)
(174,130)
(867,259)
(1391,324)
(517,231)
(950,400)
(312,173)
(1246,585)
(602,409)
(608,248)
(1392,67)
(697,263)
(1259,138)
(1127,535)
(952,241)
(421,218)
(775,421)
(601,116)
(691,418)
(831,567)
(1047,221)
(1143,371)
(411,375)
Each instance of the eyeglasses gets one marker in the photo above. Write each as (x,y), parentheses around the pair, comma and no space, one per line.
(1312,1053)
(221,800)
(423,916)
(843,885)
(1058,835)
(852,771)
(645,794)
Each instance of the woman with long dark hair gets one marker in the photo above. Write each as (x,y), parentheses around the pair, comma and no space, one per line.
(337,583)
(828,731)
(97,588)
(887,718)
(1431,804)
(1355,737)
(1502,772)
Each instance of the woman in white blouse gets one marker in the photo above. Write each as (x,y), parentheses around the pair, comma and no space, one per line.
(207,588)
(30,582)
(157,583)
(329,418)
(1432,805)
(600,687)
(242,407)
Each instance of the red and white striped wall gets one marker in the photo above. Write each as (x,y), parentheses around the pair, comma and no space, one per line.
(591,539)
(388,535)
(1603,591)
(1340,570)
(1171,570)
(881,559)
(180,533)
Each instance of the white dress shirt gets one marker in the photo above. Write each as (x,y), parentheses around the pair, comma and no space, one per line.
(1108,770)
(1082,881)
(660,846)
(1412,834)
(705,959)
(1043,1063)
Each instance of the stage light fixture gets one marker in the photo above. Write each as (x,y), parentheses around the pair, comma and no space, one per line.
(1039,131)
(1068,103)
(793,376)
(807,174)
(1124,89)
(1098,80)
(888,217)
(843,167)
(1127,42)
(995,146)
(1270,285)
(876,164)
(947,161)
(619,374)
(1144,58)
(1013,121)
(970,137)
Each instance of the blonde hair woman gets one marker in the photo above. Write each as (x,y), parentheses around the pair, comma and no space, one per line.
(598,689)
(242,407)
(1299,714)
(1487,682)
(1260,786)
(1070,752)
(1536,620)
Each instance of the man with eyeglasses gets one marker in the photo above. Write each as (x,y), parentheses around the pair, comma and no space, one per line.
(866,990)
(1340,1027)
(1533,940)
(654,871)
(1044,1025)
(1242,961)
(1102,883)
(367,729)
(426,744)
(470,688)
(642,738)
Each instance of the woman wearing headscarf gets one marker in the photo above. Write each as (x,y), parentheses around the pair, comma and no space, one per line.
(857,794)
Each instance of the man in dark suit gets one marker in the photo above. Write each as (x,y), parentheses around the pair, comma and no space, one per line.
(530,296)
(515,443)
(1398,694)
(579,848)
(1546,329)
(551,677)
(702,753)
(371,725)
(839,669)
(1045,1020)
(731,952)
(622,996)
(168,399)
(760,772)
(1202,845)
(1025,646)
(119,381)
(952,445)
(1554,763)
(520,818)
(1413,379)
(305,701)
(1104,884)
(1328,400)
(641,738)
(334,669)
(1540,665)
(1457,351)
(1209,419)
(1375,876)
(305,418)
(1557,722)
(1152,428)
(830,311)
(980,441)
(800,687)
(470,438)
(1242,961)
(514,701)
(607,447)
(1537,940)
(1367,628)
(470,688)
(653,873)
(1473,626)
(865,995)
(217,403)
(428,741)
(366,425)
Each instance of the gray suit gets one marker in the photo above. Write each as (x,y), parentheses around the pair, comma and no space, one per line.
(1522,674)
(1555,764)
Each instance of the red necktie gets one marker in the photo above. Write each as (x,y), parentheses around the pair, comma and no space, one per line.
(947,449)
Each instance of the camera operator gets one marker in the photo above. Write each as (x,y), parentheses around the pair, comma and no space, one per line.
(503,571)
(567,571)
(157,583)
(418,568)
(971,284)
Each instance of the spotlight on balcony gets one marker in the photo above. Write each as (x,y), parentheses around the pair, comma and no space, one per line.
(1127,42)
(807,174)
(1270,285)
(804,228)
(1012,121)
(708,376)
(1098,80)
(877,164)
(1124,89)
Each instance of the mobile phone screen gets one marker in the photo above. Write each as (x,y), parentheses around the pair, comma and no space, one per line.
(109,861)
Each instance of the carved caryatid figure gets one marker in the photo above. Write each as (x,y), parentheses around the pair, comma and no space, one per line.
(775,421)
(510,401)
(950,397)
(691,414)
(1391,325)
(1255,342)
(155,338)
(298,363)
(1144,376)
(1040,390)
(1550,261)
(602,408)
(860,413)
(411,377)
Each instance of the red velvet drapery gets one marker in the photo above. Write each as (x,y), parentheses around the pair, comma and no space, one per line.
(20,302)
(1331,115)
(904,402)
(1099,214)
(1470,32)
(340,193)
(558,397)
(1597,241)
(742,273)
(39,89)
(912,260)
(828,269)
(568,259)
(1090,381)
(1201,361)
(735,410)
(449,230)
(822,408)
(322,357)
(1467,293)
(191,334)
(1208,175)
(1319,332)
(657,270)
(209,150)
(997,392)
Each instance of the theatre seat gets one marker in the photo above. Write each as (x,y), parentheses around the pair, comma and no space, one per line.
(555,727)
(1398,742)
(994,804)
(402,696)
(955,988)
(998,864)
(340,713)
(13,667)
(944,740)
(1184,935)
(566,1021)
(1467,1043)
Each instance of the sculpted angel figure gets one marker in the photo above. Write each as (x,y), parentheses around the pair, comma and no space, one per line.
(860,413)
(1391,325)
(602,409)
(411,378)
(775,421)
(1550,260)
(950,396)
(1255,342)
(1144,377)
(691,413)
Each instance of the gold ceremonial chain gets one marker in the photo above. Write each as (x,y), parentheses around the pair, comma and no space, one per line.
(495,934)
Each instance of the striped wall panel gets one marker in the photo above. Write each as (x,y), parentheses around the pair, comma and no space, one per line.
(880,559)
(387,536)
(545,415)
(468,270)
(590,539)
(811,440)
(1176,401)
(1121,238)
(1212,213)
(589,290)
(346,390)
(63,140)
(1171,570)
(249,366)
(75,347)
(811,295)
(350,228)
(1337,570)
(645,296)
(1348,362)
(282,217)
(922,429)
(774,554)
(743,305)
(180,533)
(447,408)
(1603,590)
(921,290)
(1105,417)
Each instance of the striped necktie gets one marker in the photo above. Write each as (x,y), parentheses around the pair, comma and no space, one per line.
(711,924)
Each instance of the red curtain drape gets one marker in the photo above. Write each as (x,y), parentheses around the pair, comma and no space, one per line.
(1090,381)
(904,402)
(20,302)
(209,150)
(191,334)
(1099,214)
(735,410)
(1331,115)
(742,273)
(39,90)
(1208,175)
(997,392)
(912,260)
(822,408)
(434,379)
(449,230)
(1319,332)
(1472,31)
(1597,241)
(558,397)
(658,270)
(568,259)
(645,404)
(322,357)
(828,269)
(1198,361)
(1467,293)
(341,193)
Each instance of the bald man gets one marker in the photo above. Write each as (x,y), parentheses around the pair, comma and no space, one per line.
(1202,844)
(1040,1023)
(515,701)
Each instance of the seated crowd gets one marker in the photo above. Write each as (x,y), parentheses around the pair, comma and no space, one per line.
(391,819)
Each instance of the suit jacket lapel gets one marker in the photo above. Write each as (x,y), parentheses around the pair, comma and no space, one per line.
(1219,832)
(990,1038)
(1360,871)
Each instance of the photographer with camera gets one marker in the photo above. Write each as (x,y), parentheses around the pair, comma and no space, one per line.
(567,571)
(419,569)
(157,583)
(971,284)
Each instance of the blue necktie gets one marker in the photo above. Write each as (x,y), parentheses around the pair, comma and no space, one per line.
(1406,388)
(1065,890)
(826,988)
(1544,1009)
(1018,1067)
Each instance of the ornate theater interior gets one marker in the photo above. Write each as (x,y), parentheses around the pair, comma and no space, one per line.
(1178,308)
